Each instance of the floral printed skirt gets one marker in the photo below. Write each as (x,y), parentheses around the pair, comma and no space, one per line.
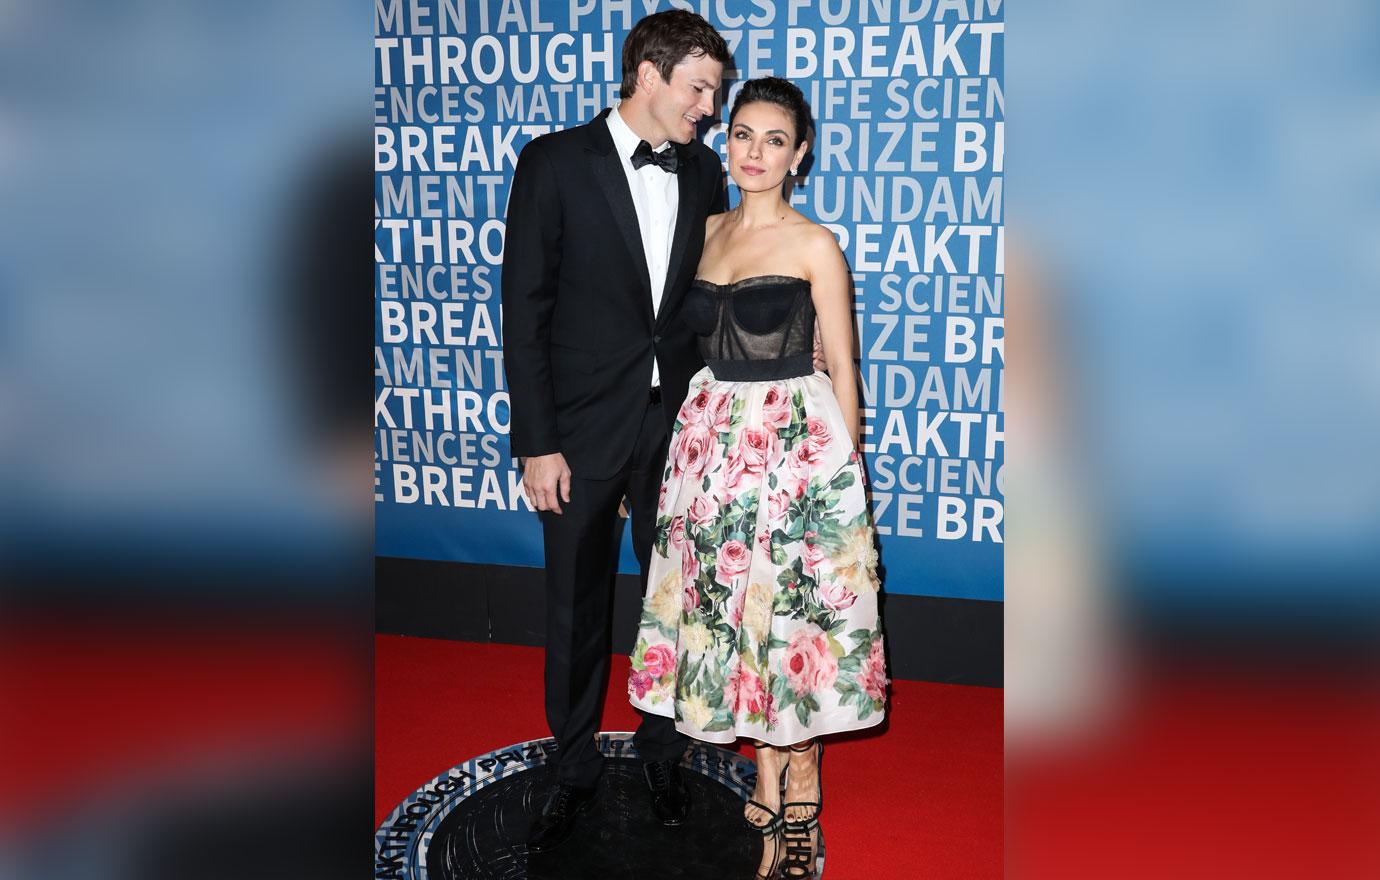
(760,618)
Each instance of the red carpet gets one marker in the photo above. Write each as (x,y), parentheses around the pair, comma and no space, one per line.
(920,799)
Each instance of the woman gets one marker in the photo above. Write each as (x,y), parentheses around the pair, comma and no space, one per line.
(760,619)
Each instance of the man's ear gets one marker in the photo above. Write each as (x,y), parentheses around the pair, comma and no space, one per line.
(647,75)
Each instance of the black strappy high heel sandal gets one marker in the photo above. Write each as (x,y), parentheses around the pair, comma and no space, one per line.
(772,829)
(799,836)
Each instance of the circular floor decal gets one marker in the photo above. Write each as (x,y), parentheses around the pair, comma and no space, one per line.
(472,821)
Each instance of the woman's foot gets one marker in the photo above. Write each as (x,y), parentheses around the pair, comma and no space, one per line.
(763,810)
(800,831)
(802,783)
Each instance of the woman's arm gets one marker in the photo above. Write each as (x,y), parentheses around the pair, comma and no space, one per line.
(832,293)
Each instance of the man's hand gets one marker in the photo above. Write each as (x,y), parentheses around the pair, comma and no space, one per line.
(820,363)
(542,476)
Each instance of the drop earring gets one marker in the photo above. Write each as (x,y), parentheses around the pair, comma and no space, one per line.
(795,172)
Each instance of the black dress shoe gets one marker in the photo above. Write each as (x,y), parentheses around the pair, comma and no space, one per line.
(670,797)
(558,818)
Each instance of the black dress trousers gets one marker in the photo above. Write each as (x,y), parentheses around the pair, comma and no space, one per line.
(581,562)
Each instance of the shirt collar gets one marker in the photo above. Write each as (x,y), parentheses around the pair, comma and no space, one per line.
(625,140)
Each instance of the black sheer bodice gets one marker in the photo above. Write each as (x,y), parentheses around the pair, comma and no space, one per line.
(755,328)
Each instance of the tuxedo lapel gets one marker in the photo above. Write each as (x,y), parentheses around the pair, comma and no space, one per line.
(608,171)
(686,212)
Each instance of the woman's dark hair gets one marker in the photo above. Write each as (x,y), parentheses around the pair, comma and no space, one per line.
(666,39)
(781,92)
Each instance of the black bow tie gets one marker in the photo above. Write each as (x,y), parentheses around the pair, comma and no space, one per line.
(666,160)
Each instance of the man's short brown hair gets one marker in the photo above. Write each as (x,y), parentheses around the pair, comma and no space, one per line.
(666,39)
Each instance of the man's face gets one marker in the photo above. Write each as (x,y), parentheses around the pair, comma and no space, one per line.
(689,97)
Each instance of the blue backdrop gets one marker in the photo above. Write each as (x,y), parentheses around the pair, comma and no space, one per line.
(906,169)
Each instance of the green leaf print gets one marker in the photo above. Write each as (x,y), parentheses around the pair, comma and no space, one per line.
(786,579)
(783,602)
(830,535)
(651,621)
(795,527)
(713,693)
(750,662)
(705,543)
(781,692)
(834,647)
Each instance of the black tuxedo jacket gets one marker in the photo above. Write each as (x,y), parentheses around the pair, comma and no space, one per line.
(578,332)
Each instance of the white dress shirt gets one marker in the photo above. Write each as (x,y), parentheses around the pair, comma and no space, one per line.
(656,196)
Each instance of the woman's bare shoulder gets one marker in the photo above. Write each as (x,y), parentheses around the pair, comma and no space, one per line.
(814,241)
(713,222)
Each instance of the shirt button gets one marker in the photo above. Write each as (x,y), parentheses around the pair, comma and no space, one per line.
(656,338)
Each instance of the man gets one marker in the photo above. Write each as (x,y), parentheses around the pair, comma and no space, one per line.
(605,229)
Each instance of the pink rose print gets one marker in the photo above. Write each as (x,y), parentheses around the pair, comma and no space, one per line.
(872,676)
(734,469)
(693,448)
(814,555)
(778,504)
(735,611)
(731,687)
(677,535)
(749,697)
(659,661)
(820,437)
(733,559)
(693,410)
(792,485)
(756,446)
(770,713)
(717,414)
(764,539)
(639,682)
(808,663)
(835,596)
(690,599)
(776,408)
(689,563)
(661,499)
(703,510)
(811,455)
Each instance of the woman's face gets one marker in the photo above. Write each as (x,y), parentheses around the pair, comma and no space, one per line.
(761,146)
